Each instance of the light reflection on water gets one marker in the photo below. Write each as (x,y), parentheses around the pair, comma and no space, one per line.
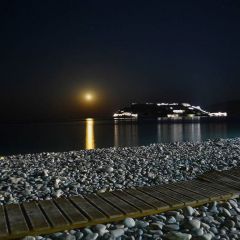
(90,140)
(129,133)
(94,133)
(134,134)
(125,134)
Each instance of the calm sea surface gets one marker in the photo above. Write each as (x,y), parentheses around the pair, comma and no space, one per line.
(93,133)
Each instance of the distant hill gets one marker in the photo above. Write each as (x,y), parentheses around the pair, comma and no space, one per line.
(231,107)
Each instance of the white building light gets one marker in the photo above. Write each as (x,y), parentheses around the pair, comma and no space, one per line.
(178,111)
(218,114)
(172,115)
(125,115)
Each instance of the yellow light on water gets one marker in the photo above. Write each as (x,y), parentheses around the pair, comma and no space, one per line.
(90,140)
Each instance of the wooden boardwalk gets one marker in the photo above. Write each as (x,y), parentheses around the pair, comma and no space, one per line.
(43,217)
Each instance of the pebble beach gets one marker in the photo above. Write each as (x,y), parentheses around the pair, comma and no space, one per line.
(47,175)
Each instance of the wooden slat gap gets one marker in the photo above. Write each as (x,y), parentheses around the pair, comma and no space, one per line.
(124,214)
(80,210)
(7,220)
(150,205)
(26,217)
(179,193)
(159,190)
(45,215)
(100,210)
(142,199)
(190,190)
(160,199)
(63,213)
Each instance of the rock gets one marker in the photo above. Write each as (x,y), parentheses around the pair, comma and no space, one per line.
(87,231)
(205,225)
(91,236)
(71,237)
(156,225)
(110,169)
(156,232)
(79,235)
(119,226)
(197,232)
(172,220)
(188,211)
(129,222)
(213,230)
(15,180)
(171,227)
(58,193)
(226,212)
(233,203)
(141,224)
(172,213)
(180,217)
(29,238)
(206,236)
(117,233)
(101,229)
(45,172)
(195,223)
(178,236)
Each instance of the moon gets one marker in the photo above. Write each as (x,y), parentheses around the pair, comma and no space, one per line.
(88,97)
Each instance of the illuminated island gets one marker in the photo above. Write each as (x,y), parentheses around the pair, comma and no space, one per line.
(164,111)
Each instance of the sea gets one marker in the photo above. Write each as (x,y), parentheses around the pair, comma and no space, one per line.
(93,133)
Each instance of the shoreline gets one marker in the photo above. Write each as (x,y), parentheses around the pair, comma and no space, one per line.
(46,175)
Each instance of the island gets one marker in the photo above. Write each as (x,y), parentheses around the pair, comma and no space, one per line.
(165,111)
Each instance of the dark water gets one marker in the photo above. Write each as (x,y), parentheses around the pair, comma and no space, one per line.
(92,133)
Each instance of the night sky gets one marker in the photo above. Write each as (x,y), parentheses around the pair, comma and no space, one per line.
(52,52)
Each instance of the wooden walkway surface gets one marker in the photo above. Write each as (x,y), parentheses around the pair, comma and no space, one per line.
(43,217)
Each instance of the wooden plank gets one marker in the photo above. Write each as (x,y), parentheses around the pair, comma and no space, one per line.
(3,224)
(217,178)
(233,171)
(215,188)
(208,193)
(209,187)
(226,191)
(35,216)
(125,207)
(70,211)
(230,175)
(17,222)
(187,200)
(53,214)
(156,203)
(162,197)
(104,206)
(198,197)
(88,209)
(64,214)
(140,205)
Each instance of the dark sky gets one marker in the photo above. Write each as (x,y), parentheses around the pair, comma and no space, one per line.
(124,51)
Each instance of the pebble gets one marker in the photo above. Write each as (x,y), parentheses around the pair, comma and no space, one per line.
(129,222)
(171,227)
(91,236)
(195,223)
(178,236)
(29,238)
(117,233)
(101,229)
(207,236)
(188,211)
